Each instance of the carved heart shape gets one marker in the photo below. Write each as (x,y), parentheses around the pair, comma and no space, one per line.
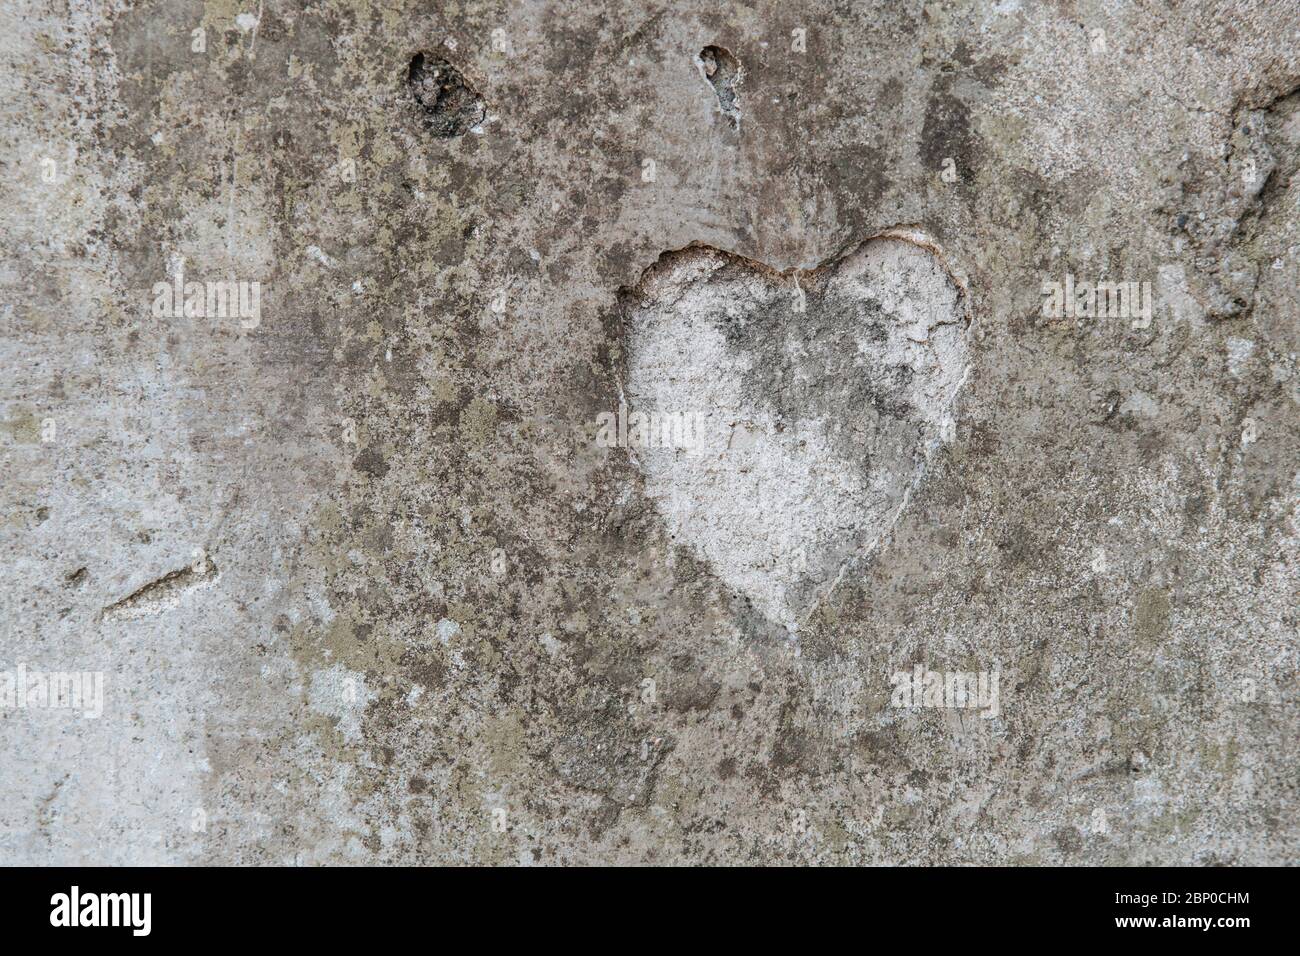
(817,399)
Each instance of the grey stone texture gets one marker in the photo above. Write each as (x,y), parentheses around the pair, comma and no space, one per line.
(363,585)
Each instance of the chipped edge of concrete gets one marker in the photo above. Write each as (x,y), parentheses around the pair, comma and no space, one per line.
(903,232)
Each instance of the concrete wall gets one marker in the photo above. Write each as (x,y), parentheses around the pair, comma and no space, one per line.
(361,578)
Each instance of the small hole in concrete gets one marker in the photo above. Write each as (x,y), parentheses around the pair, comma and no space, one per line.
(451,106)
(722,70)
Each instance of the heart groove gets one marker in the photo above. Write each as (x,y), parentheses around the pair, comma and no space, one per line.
(814,402)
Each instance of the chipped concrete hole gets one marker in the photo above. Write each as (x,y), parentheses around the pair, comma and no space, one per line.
(722,70)
(820,398)
(163,593)
(450,105)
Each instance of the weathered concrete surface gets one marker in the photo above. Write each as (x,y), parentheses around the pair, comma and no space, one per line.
(410,610)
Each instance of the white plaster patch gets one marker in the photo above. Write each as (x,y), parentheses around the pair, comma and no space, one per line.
(342,694)
(820,397)
(1239,353)
(1140,403)
(447,629)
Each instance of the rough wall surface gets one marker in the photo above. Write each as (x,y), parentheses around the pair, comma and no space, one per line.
(364,585)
